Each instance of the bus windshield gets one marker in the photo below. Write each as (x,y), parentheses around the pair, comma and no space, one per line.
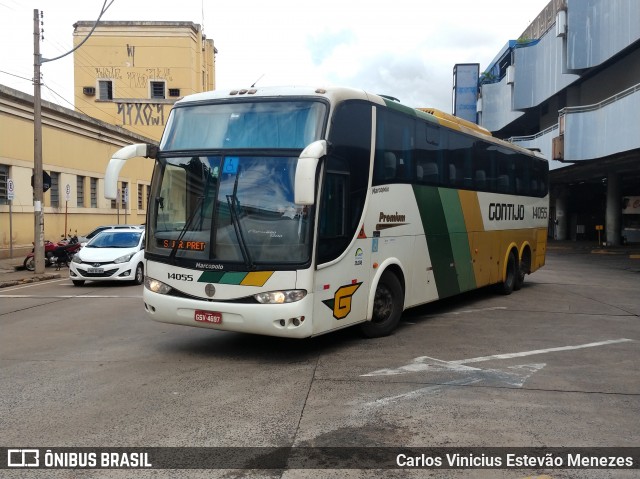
(264,124)
(228,209)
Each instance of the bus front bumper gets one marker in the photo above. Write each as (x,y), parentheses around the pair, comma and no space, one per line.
(292,320)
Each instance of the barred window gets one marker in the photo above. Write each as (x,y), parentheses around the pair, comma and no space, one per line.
(4,179)
(140,198)
(157,89)
(80,190)
(105,89)
(55,189)
(124,198)
(94,192)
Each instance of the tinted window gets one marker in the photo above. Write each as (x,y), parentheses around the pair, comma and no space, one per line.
(346,178)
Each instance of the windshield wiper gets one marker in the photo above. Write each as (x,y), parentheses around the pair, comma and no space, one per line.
(235,219)
(185,228)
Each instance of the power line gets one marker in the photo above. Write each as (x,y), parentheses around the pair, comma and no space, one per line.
(17,76)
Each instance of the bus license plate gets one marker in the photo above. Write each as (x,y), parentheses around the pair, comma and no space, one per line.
(208,317)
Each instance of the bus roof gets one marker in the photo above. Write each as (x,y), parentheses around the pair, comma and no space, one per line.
(336,94)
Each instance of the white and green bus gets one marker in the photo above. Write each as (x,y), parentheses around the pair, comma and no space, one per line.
(299,211)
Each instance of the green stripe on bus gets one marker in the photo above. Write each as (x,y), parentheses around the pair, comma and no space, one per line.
(436,230)
(459,238)
(256,278)
(210,276)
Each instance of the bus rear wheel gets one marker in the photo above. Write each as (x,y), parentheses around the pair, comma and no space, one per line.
(509,283)
(388,304)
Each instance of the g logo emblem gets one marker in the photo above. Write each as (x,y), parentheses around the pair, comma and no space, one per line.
(341,302)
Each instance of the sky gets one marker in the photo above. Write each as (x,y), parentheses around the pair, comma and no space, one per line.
(403,48)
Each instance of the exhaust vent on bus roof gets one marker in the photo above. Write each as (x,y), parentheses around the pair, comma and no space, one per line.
(388,97)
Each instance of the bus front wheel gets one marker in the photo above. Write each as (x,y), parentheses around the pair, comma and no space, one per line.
(388,304)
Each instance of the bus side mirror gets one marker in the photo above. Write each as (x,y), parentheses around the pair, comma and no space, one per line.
(118,160)
(305,186)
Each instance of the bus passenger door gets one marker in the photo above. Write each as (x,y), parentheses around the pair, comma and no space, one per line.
(342,277)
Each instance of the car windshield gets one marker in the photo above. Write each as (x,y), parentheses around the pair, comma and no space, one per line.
(115,239)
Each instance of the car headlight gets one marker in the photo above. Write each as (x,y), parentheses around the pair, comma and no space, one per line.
(123,259)
(76,259)
(156,286)
(280,297)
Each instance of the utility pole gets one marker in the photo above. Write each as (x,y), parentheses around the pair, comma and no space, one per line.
(38,214)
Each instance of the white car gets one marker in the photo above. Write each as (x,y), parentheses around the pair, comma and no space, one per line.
(111,255)
(83,240)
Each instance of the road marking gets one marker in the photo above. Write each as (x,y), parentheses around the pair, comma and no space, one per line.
(426,363)
(467,311)
(40,296)
(35,283)
(512,376)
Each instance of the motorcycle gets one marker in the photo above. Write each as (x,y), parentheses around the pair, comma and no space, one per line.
(55,254)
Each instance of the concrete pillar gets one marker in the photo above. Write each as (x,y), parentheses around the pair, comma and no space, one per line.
(613,217)
(562,215)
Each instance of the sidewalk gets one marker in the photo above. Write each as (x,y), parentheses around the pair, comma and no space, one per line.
(569,246)
(13,273)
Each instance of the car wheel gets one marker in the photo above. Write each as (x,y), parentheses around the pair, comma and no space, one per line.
(139,278)
(388,304)
(77,282)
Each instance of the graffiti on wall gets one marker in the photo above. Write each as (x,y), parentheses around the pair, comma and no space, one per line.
(141,78)
(109,72)
(145,114)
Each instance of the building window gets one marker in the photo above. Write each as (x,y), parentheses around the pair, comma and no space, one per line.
(148,194)
(94,192)
(4,179)
(157,89)
(105,89)
(80,190)
(140,198)
(55,189)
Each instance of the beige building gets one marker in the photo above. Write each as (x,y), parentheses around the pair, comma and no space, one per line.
(129,74)
(75,150)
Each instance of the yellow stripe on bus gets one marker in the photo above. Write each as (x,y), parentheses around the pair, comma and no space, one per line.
(256,278)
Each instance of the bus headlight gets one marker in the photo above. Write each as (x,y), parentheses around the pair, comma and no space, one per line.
(156,286)
(279,297)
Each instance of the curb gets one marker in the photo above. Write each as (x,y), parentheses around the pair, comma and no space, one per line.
(35,279)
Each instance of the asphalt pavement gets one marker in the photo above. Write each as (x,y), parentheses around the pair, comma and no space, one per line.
(13,273)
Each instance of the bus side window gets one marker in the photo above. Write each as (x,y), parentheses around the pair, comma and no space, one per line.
(390,164)
(426,153)
(395,143)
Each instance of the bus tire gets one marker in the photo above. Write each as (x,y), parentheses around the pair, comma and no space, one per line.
(508,285)
(520,274)
(388,304)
